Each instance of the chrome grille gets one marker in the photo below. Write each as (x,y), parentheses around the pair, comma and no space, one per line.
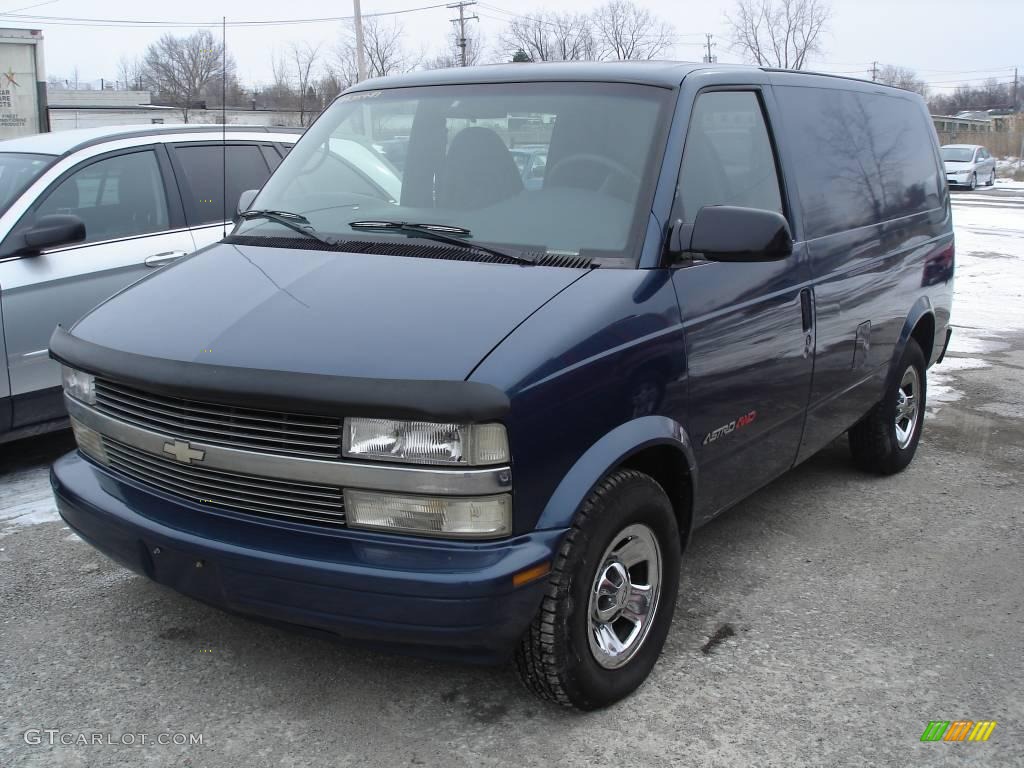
(245,493)
(274,432)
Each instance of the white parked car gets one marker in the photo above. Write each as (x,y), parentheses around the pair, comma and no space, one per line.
(85,213)
(968,165)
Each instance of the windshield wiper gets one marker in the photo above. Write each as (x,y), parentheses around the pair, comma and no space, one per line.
(443,233)
(294,221)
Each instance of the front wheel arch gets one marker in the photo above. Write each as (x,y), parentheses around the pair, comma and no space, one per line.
(656,445)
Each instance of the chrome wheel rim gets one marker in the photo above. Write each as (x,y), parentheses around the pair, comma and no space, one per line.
(908,401)
(624,596)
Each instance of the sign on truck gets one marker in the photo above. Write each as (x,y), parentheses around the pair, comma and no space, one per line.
(22,83)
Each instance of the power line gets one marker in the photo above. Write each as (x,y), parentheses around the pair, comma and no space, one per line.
(75,21)
(28,7)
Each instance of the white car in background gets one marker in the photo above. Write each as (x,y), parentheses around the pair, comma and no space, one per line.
(85,213)
(968,165)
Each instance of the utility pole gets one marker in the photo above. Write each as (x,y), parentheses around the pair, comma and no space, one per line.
(461,21)
(874,71)
(357,19)
(1016,104)
(708,57)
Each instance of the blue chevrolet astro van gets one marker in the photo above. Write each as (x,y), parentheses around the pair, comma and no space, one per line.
(436,410)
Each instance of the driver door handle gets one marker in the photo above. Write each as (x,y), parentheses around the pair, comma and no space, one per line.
(160,259)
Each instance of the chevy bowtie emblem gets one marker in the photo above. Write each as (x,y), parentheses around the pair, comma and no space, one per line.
(184,452)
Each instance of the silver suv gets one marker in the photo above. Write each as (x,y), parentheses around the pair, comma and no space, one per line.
(144,197)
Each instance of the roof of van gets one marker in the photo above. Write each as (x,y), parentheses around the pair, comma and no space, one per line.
(666,74)
(64,142)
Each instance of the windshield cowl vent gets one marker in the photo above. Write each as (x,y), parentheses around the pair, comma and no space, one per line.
(412,250)
(566,260)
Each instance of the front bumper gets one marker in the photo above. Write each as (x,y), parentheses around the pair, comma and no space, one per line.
(438,598)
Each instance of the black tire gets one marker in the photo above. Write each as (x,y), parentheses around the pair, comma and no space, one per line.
(874,440)
(991,179)
(974,181)
(554,658)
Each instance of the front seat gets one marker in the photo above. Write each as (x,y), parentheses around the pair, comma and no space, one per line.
(478,171)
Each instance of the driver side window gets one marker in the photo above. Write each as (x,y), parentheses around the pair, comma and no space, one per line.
(118,196)
(728,157)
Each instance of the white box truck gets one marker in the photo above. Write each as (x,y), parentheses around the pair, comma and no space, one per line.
(22,83)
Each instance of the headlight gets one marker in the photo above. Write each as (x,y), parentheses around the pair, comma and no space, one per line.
(423,442)
(81,386)
(468,517)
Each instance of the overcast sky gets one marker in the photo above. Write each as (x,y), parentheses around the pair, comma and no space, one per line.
(946,41)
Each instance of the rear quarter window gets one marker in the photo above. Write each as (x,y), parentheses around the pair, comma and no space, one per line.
(860,158)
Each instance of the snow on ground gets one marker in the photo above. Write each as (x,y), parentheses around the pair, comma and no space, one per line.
(988,298)
(24,500)
(989,283)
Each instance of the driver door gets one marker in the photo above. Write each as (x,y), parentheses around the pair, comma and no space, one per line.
(748,326)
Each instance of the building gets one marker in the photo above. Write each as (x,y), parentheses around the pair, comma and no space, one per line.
(91,109)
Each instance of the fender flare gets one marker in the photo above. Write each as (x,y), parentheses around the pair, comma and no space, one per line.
(921,307)
(606,454)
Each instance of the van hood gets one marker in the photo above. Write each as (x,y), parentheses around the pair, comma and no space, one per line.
(332,313)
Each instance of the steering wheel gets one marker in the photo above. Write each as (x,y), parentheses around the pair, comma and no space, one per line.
(613,167)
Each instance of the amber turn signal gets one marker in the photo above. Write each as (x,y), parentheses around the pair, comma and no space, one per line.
(531,574)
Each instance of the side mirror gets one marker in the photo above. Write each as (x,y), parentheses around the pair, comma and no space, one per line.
(732,233)
(52,231)
(245,200)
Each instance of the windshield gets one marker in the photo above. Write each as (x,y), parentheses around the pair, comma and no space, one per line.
(457,155)
(958,154)
(17,171)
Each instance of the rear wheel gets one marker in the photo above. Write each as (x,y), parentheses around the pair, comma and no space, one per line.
(610,598)
(884,441)
(991,179)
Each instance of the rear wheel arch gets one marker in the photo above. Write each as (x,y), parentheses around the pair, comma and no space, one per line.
(924,334)
(920,326)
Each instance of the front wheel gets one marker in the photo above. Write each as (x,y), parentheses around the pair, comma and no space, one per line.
(884,441)
(974,181)
(610,597)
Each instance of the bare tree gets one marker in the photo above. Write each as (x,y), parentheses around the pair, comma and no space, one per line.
(179,68)
(623,31)
(904,78)
(383,48)
(131,72)
(303,57)
(778,33)
(549,36)
(451,56)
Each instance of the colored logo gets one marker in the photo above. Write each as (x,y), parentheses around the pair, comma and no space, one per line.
(958,730)
(9,77)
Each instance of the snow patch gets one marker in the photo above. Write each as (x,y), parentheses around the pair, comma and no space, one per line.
(989,282)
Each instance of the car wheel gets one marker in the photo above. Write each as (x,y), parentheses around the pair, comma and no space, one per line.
(974,181)
(884,441)
(992,179)
(610,597)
